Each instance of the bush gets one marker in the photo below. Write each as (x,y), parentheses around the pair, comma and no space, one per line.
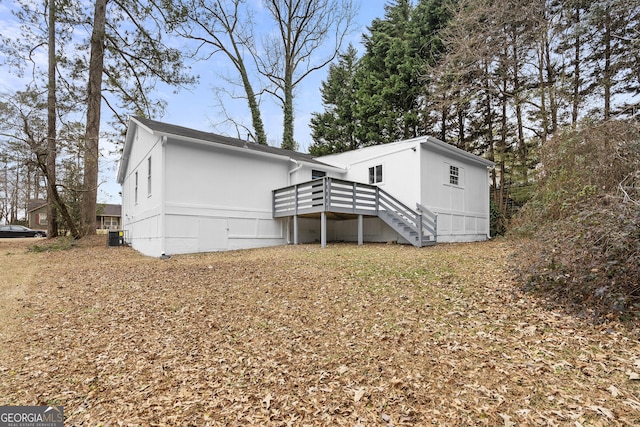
(583,222)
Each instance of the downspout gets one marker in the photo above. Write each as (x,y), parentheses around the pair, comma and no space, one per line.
(163,191)
(291,172)
(488,202)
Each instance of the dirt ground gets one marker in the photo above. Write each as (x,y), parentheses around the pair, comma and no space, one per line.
(384,335)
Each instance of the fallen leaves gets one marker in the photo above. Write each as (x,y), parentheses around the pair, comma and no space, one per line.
(358,394)
(379,334)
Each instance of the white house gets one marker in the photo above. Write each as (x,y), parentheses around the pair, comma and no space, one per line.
(188,191)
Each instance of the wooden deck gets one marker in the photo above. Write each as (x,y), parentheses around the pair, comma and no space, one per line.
(332,198)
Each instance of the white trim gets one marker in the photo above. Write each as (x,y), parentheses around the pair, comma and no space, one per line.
(385,154)
(214,207)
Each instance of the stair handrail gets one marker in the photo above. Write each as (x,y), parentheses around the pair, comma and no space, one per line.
(288,200)
(399,209)
(429,219)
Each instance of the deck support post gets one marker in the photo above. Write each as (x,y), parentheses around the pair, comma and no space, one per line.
(323,229)
(296,240)
(360,228)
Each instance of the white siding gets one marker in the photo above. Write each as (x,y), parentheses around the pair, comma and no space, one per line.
(400,172)
(141,218)
(303,173)
(463,209)
(210,197)
(422,176)
(219,199)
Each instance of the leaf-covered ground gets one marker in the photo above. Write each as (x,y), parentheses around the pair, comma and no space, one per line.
(297,335)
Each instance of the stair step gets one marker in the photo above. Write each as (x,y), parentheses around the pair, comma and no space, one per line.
(405,229)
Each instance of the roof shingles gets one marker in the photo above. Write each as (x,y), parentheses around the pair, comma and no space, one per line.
(180,131)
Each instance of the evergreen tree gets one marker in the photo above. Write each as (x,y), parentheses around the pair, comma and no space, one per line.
(387,80)
(630,69)
(613,54)
(334,130)
(391,97)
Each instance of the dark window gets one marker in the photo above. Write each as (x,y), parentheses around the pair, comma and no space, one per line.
(149,177)
(135,190)
(454,175)
(315,174)
(41,218)
(375,174)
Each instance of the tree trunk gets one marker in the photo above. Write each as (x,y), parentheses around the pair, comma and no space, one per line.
(607,81)
(576,71)
(462,144)
(52,221)
(256,118)
(522,147)
(551,81)
(502,153)
(489,130)
(543,95)
(287,136)
(443,120)
(92,135)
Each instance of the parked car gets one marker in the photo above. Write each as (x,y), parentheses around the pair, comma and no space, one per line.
(20,231)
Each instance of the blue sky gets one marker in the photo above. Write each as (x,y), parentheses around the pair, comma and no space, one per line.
(197,107)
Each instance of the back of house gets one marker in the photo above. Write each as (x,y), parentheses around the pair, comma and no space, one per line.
(187,191)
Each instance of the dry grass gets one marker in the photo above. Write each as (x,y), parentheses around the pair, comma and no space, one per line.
(372,335)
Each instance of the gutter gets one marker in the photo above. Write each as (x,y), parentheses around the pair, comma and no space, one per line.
(292,171)
(163,193)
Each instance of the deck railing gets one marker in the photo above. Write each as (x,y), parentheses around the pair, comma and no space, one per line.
(325,195)
(347,197)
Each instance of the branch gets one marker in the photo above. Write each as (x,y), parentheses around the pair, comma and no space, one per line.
(627,198)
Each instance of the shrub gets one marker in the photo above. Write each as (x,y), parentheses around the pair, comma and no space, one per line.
(583,222)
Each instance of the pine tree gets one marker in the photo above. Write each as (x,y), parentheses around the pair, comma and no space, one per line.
(387,80)
(334,130)
(392,102)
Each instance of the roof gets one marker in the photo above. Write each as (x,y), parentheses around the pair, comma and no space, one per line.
(104,209)
(109,210)
(34,204)
(183,133)
(337,161)
(375,151)
(455,151)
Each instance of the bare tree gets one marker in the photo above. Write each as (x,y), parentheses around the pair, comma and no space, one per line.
(24,123)
(226,27)
(127,58)
(52,220)
(94,101)
(300,47)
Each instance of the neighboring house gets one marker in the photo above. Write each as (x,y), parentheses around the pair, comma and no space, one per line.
(37,214)
(188,191)
(107,217)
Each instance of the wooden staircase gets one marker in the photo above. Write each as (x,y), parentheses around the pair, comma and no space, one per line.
(418,227)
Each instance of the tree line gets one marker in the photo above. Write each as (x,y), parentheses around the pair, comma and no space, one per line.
(494,77)
(76,57)
(111,54)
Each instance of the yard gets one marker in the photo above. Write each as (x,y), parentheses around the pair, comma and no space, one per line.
(371,335)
